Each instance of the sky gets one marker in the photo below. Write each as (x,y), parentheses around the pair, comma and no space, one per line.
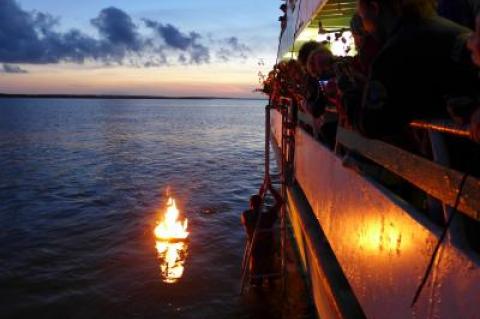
(137,47)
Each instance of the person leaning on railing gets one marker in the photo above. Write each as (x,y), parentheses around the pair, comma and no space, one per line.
(323,94)
(351,75)
(286,80)
(423,60)
(367,45)
(314,99)
(305,50)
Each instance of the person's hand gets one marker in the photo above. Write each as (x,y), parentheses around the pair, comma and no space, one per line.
(475,126)
(262,190)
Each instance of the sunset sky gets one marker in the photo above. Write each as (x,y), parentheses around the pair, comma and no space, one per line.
(153,47)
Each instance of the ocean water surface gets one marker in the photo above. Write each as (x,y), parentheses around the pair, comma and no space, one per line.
(81,186)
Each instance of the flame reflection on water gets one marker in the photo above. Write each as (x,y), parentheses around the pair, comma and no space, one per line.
(172,256)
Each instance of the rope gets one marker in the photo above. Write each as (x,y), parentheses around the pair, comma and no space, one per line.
(440,241)
(267,183)
(263,188)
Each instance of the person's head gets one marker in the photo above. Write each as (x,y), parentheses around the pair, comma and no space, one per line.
(379,15)
(255,202)
(474,43)
(358,31)
(295,71)
(306,50)
(320,63)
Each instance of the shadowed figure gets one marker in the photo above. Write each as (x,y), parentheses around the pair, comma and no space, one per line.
(263,248)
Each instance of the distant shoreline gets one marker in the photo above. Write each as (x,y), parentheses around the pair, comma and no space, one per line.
(119,97)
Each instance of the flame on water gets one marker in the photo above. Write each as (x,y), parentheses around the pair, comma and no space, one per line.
(170,243)
(171,227)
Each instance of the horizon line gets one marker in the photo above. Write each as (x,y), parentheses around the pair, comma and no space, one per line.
(122,96)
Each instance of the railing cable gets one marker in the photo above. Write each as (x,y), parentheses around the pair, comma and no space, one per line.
(440,241)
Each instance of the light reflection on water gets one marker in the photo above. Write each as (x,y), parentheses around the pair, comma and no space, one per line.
(79,181)
(171,257)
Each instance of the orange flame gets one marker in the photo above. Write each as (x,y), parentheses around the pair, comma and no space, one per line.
(170,234)
(171,228)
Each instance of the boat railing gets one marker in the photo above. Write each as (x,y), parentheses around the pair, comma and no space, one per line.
(376,211)
(434,177)
(444,127)
(439,125)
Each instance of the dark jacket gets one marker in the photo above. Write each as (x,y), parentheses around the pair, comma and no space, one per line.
(422,63)
(317,101)
(268,218)
(462,12)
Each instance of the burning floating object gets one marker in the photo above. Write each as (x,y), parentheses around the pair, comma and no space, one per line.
(171,243)
(171,228)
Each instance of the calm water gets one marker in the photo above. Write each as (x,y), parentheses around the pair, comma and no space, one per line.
(81,183)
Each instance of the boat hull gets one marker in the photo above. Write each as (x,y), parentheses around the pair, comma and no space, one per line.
(380,246)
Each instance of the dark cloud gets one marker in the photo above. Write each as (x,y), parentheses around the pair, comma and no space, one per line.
(238,47)
(32,38)
(45,22)
(172,36)
(9,68)
(27,37)
(175,39)
(118,28)
(232,48)
(18,38)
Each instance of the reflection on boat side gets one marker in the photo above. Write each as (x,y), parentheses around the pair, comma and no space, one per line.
(377,235)
(171,256)
(382,245)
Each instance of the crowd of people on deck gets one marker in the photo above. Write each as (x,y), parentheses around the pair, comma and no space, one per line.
(416,60)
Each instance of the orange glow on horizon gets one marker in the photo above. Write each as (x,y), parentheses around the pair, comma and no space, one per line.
(222,80)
